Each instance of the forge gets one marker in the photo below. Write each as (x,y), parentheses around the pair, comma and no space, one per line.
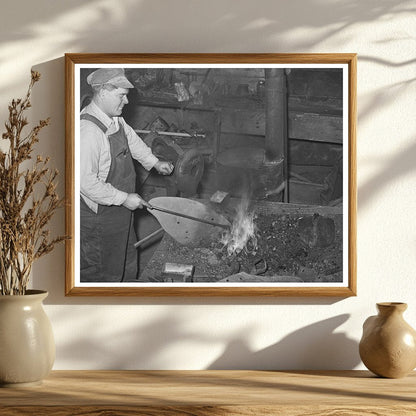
(268,242)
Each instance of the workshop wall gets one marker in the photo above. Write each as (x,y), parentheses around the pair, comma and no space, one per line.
(201,333)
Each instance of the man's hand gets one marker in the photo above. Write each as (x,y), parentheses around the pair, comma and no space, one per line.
(134,201)
(164,168)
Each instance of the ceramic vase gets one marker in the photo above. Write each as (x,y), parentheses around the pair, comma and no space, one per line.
(27,347)
(388,345)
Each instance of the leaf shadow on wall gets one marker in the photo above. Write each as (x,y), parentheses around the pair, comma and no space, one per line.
(316,346)
(105,26)
(143,345)
(152,345)
(402,163)
(392,170)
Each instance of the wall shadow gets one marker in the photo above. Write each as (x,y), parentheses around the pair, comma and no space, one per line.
(140,26)
(48,100)
(313,347)
(391,170)
(140,347)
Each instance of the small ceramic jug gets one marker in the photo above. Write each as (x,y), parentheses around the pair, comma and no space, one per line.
(388,345)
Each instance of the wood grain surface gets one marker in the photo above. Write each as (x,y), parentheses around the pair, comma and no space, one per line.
(203,393)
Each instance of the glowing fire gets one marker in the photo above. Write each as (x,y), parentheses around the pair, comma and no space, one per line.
(243,231)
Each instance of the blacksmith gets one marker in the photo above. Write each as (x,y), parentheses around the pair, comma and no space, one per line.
(108,146)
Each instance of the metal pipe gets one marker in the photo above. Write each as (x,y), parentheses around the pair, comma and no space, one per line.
(149,237)
(170,133)
(276,114)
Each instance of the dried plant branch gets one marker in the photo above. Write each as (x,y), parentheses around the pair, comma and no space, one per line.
(24,217)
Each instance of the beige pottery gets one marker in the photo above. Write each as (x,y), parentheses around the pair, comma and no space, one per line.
(388,345)
(27,347)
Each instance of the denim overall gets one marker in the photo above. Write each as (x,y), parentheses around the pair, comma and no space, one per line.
(108,237)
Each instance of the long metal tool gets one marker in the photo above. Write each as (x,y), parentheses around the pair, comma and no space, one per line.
(189,217)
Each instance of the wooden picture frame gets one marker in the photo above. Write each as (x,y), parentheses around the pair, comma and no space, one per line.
(299,65)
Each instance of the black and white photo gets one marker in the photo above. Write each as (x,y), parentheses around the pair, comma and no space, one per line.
(211,176)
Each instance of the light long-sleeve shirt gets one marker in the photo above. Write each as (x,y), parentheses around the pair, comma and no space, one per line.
(95,157)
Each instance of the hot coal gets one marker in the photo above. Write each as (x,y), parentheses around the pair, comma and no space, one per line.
(305,247)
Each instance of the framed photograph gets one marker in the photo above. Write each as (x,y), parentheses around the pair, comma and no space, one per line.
(211,174)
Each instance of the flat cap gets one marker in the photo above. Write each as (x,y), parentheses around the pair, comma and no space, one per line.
(113,76)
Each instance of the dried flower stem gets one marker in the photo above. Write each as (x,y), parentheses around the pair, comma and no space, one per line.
(23,237)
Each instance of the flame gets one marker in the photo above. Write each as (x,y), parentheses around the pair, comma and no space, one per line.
(243,231)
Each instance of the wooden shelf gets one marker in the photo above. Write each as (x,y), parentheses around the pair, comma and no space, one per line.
(202,393)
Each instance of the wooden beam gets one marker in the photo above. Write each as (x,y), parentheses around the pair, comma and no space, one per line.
(302,125)
(315,127)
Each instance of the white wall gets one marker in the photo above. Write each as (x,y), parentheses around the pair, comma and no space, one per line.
(200,333)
